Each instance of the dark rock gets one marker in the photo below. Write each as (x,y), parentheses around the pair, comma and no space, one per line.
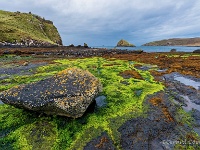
(152,131)
(85,45)
(69,93)
(6,52)
(71,45)
(1,44)
(173,50)
(17,52)
(20,70)
(196,115)
(102,142)
(100,101)
(1,102)
(196,51)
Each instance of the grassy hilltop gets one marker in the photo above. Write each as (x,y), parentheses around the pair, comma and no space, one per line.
(176,42)
(16,27)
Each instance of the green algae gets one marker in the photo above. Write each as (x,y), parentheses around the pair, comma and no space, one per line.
(20,129)
(124,101)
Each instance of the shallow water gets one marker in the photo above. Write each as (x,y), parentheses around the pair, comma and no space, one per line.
(1,102)
(188,82)
(190,105)
(154,48)
(162,70)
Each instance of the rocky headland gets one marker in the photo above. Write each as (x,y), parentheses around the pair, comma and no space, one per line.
(175,42)
(27,30)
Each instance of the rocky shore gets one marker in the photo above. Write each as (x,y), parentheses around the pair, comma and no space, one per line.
(68,51)
(149,100)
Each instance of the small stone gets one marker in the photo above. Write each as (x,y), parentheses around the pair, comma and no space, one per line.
(25,64)
(100,101)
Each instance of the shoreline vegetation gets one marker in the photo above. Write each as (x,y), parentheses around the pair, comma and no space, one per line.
(136,95)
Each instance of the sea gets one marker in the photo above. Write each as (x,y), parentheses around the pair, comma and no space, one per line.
(153,48)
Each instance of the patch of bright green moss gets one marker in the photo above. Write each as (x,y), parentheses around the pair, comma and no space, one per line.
(124,101)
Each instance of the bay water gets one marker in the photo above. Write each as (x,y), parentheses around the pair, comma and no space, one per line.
(153,48)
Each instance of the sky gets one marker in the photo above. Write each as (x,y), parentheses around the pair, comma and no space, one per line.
(105,22)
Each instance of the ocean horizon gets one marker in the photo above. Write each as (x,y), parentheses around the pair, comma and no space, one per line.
(153,48)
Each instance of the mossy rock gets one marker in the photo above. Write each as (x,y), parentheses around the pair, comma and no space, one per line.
(69,93)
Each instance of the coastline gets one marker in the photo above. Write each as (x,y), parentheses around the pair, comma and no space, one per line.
(139,89)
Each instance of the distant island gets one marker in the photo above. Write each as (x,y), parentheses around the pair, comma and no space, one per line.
(27,29)
(175,42)
(124,43)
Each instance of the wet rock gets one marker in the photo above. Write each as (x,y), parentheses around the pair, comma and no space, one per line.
(6,52)
(173,50)
(143,68)
(69,93)
(153,131)
(100,101)
(196,115)
(21,70)
(1,102)
(102,142)
(196,51)
(184,92)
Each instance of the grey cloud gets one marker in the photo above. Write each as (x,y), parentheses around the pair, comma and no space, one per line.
(104,22)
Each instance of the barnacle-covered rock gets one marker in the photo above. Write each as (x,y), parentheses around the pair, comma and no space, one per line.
(69,93)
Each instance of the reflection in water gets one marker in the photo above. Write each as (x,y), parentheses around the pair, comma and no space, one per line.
(188,82)
(190,105)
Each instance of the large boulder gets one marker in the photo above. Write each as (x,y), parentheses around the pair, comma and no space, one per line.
(69,93)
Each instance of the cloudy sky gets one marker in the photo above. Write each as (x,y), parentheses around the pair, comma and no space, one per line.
(105,22)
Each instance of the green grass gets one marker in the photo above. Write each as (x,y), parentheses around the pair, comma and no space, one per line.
(17,26)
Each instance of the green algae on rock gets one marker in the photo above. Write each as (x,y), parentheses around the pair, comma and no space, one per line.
(123,103)
(69,93)
(124,43)
(126,102)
